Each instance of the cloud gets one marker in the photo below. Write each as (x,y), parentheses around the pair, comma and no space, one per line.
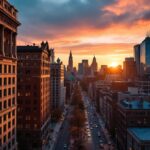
(83,25)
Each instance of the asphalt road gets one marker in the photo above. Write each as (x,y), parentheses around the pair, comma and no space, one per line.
(97,134)
(95,140)
(63,138)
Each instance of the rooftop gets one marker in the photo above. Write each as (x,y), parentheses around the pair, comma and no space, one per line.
(141,134)
(28,48)
(135,104)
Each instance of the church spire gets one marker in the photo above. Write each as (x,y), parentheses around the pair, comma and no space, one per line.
(70,62)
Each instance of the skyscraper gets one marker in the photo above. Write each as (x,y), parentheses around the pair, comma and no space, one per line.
(145,56)
(129,68)
(33,96)
(94,65)
(70,63)
(8,74)
(85,67)
(137,58)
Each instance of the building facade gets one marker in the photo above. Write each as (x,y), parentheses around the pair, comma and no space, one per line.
(131,113)
(33,96)
(58,90)
(94,65)
(129,68)
(8,75)
(145,56)
(137,58)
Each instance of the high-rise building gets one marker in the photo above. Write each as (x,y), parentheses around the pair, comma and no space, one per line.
(70,63)
(129,68)
(85,67)
(8,74)
(33,113)
(58,90)
(137,58)
(52,56)
(94,65)
(80,69)
(145,56)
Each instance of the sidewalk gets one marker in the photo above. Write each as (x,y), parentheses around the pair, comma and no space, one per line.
(54,135)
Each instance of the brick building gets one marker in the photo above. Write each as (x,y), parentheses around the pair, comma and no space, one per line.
(8,74)
(33,96)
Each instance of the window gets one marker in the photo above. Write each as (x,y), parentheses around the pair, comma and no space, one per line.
(13,101)
(5,92)
(13,81)
(1,93)
(13,122)
(13,90)
(0,68)
(9,69)
(9,115)
(13,112)
(9,124)
(4,118)
(13,69)
(9,91)
(5,104)
(5,81)
(0,81)
(4,139)
(0,105)
(4,128)
(9,81)
(5,68)
(9,103)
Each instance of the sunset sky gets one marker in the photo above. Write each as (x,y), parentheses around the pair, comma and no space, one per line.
(107,29)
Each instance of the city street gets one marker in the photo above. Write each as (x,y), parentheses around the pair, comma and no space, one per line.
(63,137)
(96,125)
(96,138)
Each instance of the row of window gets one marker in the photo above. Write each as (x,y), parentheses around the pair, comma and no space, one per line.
(10,144)
(7,81)
(7,116)
(7,92)
(7,103)
(6,127)
(7,69)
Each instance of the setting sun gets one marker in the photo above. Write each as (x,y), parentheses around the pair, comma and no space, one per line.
(114,64)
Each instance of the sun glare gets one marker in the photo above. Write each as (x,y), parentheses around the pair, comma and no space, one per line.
(114,64)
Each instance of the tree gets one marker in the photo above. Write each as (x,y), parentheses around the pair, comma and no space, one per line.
(56,114)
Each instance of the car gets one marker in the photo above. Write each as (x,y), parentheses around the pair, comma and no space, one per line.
(65,146)
(98,134)
(101,141)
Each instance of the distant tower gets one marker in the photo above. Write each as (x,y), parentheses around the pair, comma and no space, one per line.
(52,55)
(70,62)
(94,65)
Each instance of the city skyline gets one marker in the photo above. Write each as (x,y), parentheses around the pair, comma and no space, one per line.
(99,100)
(100,28)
